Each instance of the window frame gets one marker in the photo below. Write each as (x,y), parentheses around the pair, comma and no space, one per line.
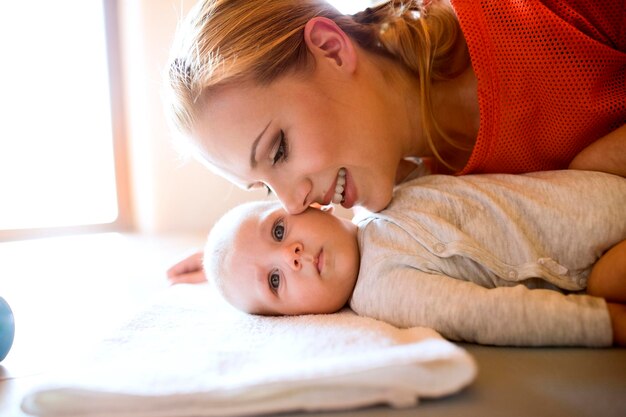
(124,221)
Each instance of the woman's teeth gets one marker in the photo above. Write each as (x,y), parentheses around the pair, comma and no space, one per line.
(341,181)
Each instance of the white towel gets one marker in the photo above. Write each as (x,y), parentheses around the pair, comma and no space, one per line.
(190,354)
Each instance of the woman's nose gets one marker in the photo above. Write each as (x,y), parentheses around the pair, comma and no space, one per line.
(294,195)
(292,255)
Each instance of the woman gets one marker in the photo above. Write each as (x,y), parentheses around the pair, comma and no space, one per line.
(318,106)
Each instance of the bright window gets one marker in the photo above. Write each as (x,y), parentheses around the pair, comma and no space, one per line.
(56,149)
(351,6)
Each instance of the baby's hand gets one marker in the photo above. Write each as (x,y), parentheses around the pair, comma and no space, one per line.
(188,271)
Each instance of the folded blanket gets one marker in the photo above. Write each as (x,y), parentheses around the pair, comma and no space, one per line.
(190,354)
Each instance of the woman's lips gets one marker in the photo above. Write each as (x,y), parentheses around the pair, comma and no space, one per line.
(350,193)
(342,190)
(328,197)
(339,187)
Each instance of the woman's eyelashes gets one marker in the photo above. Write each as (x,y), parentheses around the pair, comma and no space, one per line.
(280,152)
(258,185)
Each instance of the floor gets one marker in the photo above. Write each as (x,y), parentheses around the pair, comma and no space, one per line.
(67,292)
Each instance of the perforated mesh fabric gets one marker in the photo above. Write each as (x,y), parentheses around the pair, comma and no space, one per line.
(551,79)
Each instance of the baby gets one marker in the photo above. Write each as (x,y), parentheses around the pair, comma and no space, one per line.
(492,259)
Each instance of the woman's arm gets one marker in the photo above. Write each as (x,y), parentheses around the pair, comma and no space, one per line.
(608,276)
(618,322)
(607,154)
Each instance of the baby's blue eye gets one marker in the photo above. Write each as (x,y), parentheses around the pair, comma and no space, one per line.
(274,280)
(278,231)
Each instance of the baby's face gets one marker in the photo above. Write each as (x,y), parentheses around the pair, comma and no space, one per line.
(292,264)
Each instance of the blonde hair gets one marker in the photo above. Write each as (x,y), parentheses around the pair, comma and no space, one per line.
(223,42)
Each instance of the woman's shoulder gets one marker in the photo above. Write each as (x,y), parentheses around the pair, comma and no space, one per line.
(603,21)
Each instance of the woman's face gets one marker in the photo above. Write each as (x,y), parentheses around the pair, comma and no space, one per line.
(296,135)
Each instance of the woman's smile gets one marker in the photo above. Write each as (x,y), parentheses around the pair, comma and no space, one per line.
(335,191)
(339,186)
(350,195)
(342,191)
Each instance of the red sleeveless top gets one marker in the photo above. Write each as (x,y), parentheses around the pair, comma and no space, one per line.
(551,79)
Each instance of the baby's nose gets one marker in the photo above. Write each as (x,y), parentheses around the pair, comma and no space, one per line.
(293,255)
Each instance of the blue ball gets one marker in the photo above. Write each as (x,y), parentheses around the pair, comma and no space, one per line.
(7,328)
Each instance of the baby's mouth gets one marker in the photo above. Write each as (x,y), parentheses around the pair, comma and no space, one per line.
(319,261)
(339,197)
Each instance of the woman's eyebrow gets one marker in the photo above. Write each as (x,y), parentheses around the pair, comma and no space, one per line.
(255,144)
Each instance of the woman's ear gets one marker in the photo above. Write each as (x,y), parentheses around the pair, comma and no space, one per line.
(326,41)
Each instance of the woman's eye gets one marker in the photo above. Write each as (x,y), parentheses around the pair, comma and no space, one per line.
(278,231)
(274,280)
(281,150)
(260,185)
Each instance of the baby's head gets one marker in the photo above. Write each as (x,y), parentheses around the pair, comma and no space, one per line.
(266,261)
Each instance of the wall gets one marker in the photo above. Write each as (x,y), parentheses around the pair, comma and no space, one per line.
(168,195)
